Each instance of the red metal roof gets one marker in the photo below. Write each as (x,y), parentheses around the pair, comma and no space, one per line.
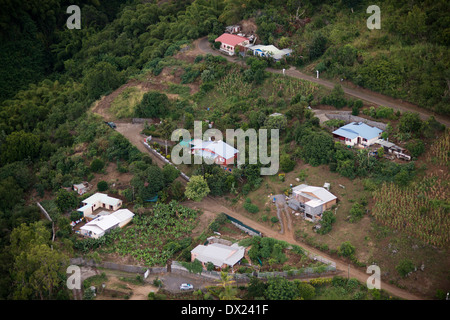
(230,39)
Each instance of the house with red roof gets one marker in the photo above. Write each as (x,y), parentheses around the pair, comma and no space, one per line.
(230,41)
(219,151)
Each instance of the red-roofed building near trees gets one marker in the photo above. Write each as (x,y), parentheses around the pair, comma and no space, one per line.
(230,41)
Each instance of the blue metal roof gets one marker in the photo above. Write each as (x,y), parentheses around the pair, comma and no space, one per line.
(358,129)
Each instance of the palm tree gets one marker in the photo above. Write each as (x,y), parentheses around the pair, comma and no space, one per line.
(228,292)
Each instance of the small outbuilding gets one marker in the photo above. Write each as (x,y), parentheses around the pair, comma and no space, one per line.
(81,188)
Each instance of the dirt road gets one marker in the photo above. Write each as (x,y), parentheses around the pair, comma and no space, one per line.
(216,206)
(369,96)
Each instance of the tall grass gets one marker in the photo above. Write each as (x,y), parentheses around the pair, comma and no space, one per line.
(124,105)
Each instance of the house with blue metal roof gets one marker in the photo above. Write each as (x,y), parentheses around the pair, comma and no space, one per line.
(358,133)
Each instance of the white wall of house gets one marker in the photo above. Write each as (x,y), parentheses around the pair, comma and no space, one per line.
(227,48)
(351,142)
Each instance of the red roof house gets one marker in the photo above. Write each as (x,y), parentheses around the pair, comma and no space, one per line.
(230,41)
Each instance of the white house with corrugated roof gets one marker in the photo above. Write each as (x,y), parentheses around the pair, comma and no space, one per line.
(221,255)
(102,224)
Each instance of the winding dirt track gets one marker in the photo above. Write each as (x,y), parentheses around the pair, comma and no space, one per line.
(374,98)
(215,205)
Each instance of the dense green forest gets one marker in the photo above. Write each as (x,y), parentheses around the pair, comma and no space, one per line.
(51,75)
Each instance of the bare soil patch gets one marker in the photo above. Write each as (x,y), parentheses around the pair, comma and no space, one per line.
(204,220)
(115,179)
(117,289)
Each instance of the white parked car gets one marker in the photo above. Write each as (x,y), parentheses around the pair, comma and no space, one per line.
(186,286)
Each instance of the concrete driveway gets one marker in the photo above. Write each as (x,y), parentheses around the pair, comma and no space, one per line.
(280,203)
(172,281)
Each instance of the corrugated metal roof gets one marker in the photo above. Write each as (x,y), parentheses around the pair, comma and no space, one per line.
(230,39)
(217,147)
(355,129)
(102,222)
(314,203)
(123,214)
(321,193)
(103,198)
(219,254)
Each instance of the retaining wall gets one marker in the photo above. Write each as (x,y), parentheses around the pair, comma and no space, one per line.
(177,268)
(185,177)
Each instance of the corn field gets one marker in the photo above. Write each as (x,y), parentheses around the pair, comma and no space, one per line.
(292,86)
(233,84)
(440,149)
(421,210)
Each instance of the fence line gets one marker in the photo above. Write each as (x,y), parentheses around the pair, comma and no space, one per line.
(142,120)
(49,218)
(300,273)
(243,227)
(177,267)
(351,118)
(109,265)
(183,175)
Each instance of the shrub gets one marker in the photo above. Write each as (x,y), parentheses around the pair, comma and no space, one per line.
(346,249)
(97,165)
(318,46)
(219,221)
(250,207)
(157,282)
(210,266)
(74,216)
(286,163)
(384,113)
(328,218)
(404,267)
(352,284)
(306,291)
(189,75)
(336,98)
(102,186)
(358,104)
(193,267)
(356,212)
(153,104)
(416,148)
(339,281)
(410,122)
